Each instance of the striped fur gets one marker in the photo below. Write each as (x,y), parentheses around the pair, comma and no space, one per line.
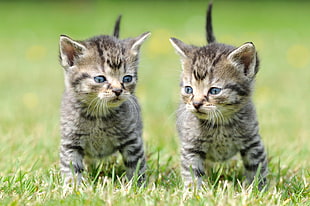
(100,118)
(216,124)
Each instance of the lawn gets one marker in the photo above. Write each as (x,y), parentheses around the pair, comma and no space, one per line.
(31,85)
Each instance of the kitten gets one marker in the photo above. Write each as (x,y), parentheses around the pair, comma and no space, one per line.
(216,118)
(100,113)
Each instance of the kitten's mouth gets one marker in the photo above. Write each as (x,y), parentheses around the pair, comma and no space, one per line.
(204,113)
(199,112)
(210,106)
(205,109)
(200,115)
(116,101)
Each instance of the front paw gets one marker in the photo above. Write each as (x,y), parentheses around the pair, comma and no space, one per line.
(192,183)
(73,179)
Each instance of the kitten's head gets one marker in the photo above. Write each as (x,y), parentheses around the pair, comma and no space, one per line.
(217,79)
(101,72)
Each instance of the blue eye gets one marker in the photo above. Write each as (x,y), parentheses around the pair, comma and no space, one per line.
(100,79)
(215,90)
(188,90)
(127,79)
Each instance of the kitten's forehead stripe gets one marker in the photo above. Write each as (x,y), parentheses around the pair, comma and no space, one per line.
(110,50)
(216,60)
(116,64)
(205,59)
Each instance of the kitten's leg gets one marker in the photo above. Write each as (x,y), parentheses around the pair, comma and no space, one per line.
(133,156)
(71,162)
(192,166)
(254,157)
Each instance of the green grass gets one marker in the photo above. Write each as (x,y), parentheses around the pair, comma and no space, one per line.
(31,84)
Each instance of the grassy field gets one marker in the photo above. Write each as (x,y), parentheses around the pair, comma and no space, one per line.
(31,85)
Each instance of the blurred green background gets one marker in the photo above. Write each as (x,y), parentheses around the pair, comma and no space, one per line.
(31,79)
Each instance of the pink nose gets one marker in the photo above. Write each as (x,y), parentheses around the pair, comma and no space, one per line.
(197,105)
(117,91)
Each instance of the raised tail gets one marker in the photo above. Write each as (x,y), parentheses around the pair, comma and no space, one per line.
(116,26)
(209,29)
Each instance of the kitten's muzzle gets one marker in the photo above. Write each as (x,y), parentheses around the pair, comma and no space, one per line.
(197,105)
(117,91)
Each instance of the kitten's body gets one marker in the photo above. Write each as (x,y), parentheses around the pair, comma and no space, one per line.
(100,114)
(216,118)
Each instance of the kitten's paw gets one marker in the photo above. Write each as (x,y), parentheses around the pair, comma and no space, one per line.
(73,180)
(193,184)
(259,182)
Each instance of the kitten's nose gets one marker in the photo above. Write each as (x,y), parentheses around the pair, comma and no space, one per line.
(117,91)
(197,105)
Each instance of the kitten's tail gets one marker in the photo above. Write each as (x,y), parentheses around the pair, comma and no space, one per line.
(209,29)
(116,26)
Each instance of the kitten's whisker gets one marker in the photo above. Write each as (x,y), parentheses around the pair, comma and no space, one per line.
(89,108)
(221,116)
(213,118)
(103,107)
(217,118)
(107,109)
(210,119)
(97,108)
(203,127)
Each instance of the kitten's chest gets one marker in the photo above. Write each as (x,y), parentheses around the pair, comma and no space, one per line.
(102,139)
(220,144)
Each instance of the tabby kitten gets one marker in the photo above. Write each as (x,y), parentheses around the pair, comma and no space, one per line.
(100,113)
(216,118)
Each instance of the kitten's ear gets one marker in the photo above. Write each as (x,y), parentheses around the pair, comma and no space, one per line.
(137,42)
(70,50)
(245,59)
(180,47)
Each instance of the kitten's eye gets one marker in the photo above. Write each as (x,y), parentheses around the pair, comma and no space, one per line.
(127,78)
(100,79)
(215,90)
(188,90)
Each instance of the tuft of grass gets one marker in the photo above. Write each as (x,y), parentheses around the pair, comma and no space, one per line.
(31,84)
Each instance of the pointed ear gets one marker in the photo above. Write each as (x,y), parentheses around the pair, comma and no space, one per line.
(181,48)
(137,42)
(70,50)
(185,52)
(245,58)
